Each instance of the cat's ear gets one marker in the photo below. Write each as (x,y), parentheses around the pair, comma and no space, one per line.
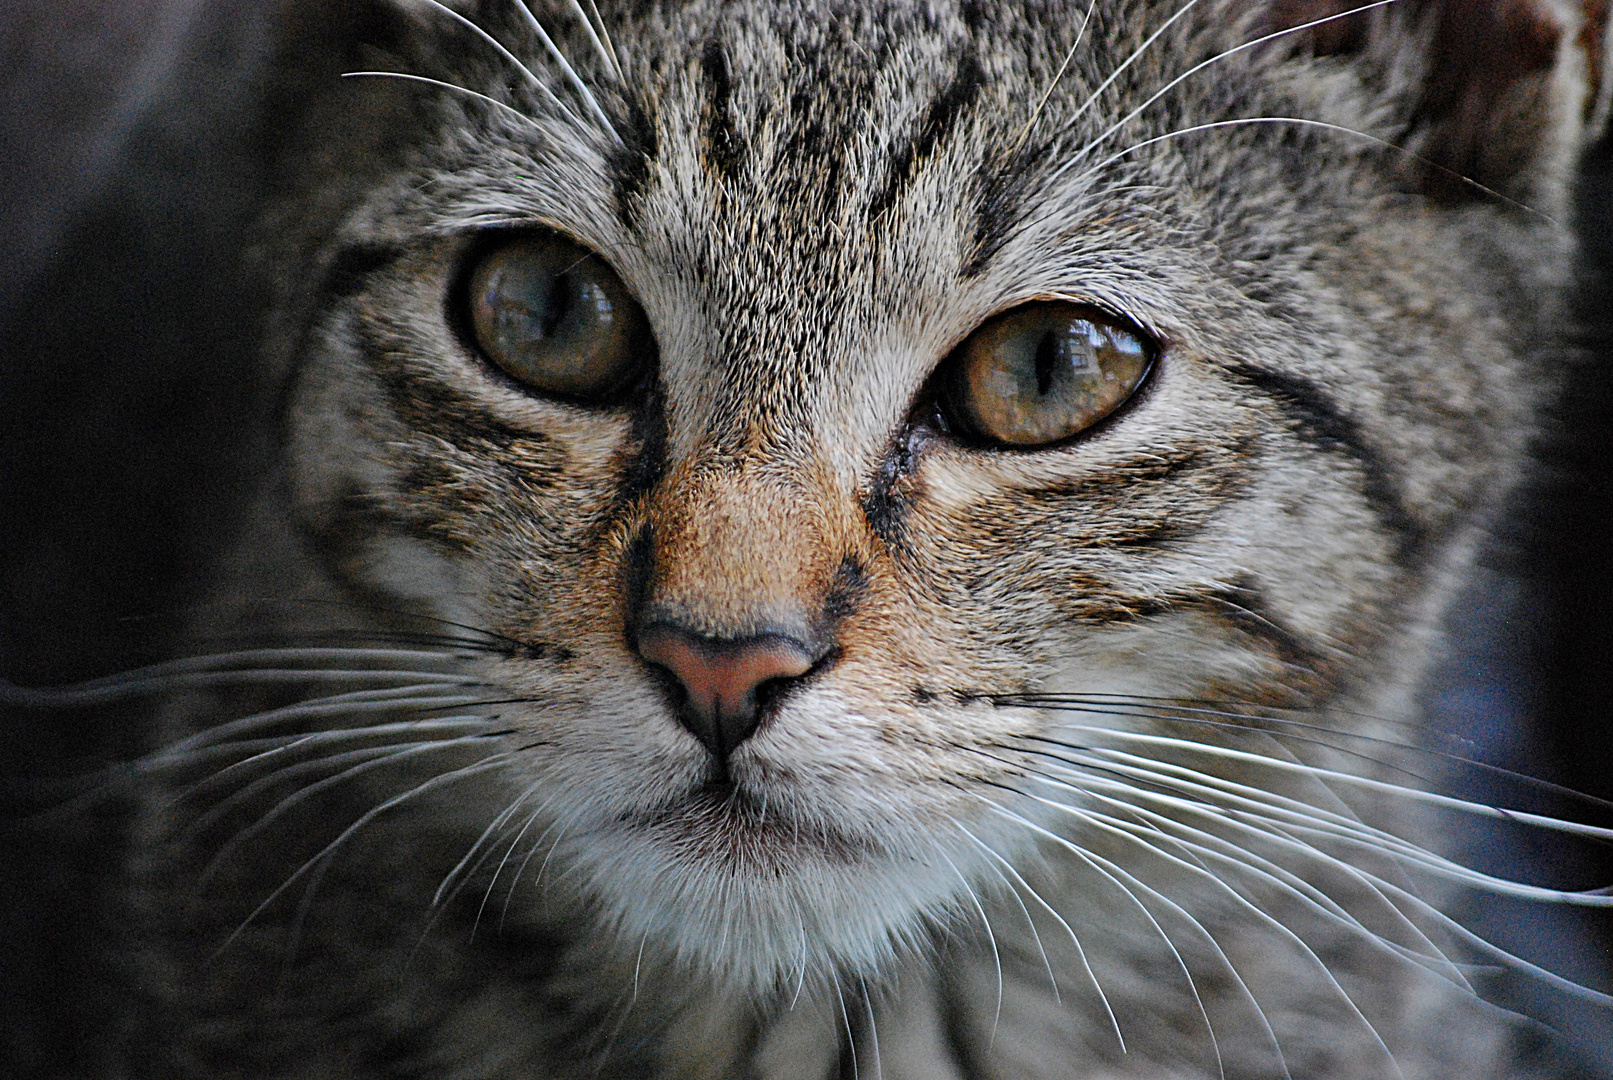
(1499,89)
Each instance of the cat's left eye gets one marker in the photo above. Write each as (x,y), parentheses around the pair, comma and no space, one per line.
(553,316)
(1043,373)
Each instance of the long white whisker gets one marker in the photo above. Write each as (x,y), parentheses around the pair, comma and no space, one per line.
(599,46)
(423,695)
(1075,940)
(1314,821)
(1092,861)
(297,797)
(873,1033)
(297,654)
(492,762)
(1136,54)
(996,957)
(202,822)
(571,72)
(604,32)
(531,77)
(281,747)
(1109,826)
(1300,121)
(72,697)
(1036,113)
(492,827)
(502,863)
(511,110)
(509,894)
(1035,935)
(1225,852)
(851,1038)
(1226,960)
(1378,786)
(1279,875)
(1196,68)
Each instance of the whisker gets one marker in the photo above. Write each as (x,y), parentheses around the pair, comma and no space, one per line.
(281,745)
(1075,940)
(1366,783)
(303,794)
(873,1031)
(1119,828)
(526,121)
(557,827)
(1450,925)
(376,699)
(1133,58)
(996,957)
(1240,721)
(509,894)
(484,765)
(1226,852)
(493,826)
(506,54)
(1321,125)
(851,1038)
(607,55)
(56,698)
(487,894)
(571,72)
(1035,935)
(1092,860)
(1195,69)
(1245,727)
(1054,82)
(1316,821)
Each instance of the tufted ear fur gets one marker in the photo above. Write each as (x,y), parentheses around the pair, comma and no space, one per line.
(1500,86)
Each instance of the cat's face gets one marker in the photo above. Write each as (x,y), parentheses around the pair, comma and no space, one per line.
(852,369)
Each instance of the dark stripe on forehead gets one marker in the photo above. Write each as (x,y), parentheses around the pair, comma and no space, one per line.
(725,147)
(630,165)
(1318,420)
(1001,184)
(939,121)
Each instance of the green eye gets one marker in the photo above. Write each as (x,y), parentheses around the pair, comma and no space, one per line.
(555,317)
(1042,373)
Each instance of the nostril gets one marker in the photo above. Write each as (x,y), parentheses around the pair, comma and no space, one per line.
(720,677)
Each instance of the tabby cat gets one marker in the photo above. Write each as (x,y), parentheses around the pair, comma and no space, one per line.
(863,540)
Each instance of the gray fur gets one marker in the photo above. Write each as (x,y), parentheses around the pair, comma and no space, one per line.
(814,204)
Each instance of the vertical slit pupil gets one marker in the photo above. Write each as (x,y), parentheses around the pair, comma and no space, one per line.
(557,304)
(1047,355)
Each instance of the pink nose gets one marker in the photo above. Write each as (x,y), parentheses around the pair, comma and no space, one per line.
(720,678)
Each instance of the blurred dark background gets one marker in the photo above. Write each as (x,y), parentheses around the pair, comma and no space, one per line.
(131,419)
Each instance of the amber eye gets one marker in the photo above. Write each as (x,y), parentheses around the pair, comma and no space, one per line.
(1042,373)
(555,317)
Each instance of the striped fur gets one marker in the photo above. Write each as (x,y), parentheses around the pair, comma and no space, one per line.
(1045,811)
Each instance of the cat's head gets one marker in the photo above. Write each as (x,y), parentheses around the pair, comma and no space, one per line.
(791,389)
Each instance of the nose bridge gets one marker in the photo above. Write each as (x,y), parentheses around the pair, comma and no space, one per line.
(738,549)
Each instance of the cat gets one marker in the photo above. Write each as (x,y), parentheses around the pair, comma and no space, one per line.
(819,540)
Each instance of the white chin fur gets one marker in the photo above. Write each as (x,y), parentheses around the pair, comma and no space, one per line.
(761,918)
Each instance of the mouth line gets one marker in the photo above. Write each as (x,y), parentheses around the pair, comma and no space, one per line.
(724,822)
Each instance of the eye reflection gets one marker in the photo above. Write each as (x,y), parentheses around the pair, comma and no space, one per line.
(555,317)
(1043,373)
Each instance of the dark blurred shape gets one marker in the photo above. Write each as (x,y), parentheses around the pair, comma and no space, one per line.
(127,400)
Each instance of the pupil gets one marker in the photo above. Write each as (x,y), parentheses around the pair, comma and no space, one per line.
(1047,358)
(554,304)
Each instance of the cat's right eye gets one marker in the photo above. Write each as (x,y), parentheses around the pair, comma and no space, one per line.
(554,317)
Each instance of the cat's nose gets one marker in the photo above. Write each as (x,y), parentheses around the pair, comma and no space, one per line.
(721,677)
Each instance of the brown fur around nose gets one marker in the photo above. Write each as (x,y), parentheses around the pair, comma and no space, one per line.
(737,552)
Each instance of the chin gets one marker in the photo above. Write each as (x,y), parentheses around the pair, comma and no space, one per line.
(752,893)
